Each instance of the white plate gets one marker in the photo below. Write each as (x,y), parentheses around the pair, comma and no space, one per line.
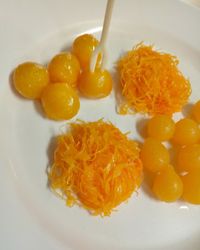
(31,216)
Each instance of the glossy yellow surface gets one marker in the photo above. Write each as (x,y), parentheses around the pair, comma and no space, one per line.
(97,84)
(167,185)
(161,127)
(65,68)
(30,79)
(189,158)
(191,186)
(83,46)
(186,132)
(154,155)
(60,101)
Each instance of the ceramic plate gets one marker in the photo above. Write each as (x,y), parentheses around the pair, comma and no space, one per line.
(31,216)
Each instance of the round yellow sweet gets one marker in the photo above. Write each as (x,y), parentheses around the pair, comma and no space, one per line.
(65,68)
(97,84)
(60,101)
(83,47)
(30,79)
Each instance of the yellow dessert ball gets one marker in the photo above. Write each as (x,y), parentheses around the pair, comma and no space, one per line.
(65,68)
(186,132)
(30,79)
(189,158)
(97,84)
(167,185)
(83,47)
(161,127)
(191,186)
(154,155)
(60,101)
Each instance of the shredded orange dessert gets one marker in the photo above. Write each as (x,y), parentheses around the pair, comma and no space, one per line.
(151,81)
(95,166)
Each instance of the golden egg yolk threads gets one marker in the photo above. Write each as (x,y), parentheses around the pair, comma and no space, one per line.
(95,166)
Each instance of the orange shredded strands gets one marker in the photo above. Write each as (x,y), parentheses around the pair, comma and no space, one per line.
(95,166)
(151,81)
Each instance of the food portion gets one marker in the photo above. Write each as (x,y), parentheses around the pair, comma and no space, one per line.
(154,155)
(187,132)
(161,127)
(83,47)
(60,101)
(95,166)
(30,79)
(68,68)
(65,68)
(92,84)
(97,84)
(191,186)
(151,81)
(167,185)
(188,158)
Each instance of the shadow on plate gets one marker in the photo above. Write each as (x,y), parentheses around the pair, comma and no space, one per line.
(141,126)
(66,48)
(38,108)
(186,110)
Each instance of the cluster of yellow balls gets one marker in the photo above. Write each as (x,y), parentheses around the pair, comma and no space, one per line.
(57,85)
(182,180)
